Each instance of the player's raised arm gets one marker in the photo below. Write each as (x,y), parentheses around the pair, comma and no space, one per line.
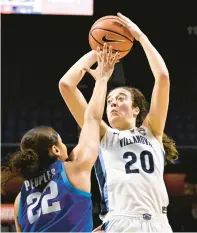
(86,151)
(71,94)
(156,117)
(68,86)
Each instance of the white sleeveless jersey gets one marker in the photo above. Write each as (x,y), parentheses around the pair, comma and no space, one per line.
(129,170)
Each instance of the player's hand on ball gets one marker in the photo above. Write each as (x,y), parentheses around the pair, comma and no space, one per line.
(132,27)
(106,61)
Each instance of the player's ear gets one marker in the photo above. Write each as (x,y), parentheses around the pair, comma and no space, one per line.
(136,110)
(54,150)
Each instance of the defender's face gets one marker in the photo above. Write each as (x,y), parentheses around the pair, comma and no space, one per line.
(119,107)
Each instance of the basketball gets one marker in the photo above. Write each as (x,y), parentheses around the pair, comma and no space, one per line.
(111,31)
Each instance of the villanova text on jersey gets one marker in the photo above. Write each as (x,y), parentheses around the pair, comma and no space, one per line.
(50,203)
(134,139)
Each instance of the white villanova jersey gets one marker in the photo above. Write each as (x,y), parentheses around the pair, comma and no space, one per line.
(129,170)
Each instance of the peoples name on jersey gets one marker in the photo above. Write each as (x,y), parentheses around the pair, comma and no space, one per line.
(134,139)
(44,178)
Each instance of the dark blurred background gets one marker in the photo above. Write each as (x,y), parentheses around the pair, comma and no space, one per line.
(38,49)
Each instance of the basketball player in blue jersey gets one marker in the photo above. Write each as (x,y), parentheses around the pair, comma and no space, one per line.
(55,196)
(133,150)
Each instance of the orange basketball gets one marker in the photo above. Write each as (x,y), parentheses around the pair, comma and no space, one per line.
(110,30)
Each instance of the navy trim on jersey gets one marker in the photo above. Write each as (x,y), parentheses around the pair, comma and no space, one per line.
(164,155)
(105,226)
(71,187)
(101,176)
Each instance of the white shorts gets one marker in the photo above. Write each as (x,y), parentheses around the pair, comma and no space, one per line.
(136,223)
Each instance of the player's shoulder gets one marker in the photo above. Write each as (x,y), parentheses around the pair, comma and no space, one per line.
(109,136)
(157,140)
(143,130)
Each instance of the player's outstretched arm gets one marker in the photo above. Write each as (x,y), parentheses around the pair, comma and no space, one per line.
(68,86)
(156,118)
(87,149)
(71,94)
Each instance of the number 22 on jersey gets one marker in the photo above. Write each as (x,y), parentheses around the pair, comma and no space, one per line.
(34,198)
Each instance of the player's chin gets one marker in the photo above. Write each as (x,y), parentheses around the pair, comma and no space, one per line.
(114,121)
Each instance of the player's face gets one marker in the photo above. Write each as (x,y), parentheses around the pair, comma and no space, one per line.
(119,108)
(62,154)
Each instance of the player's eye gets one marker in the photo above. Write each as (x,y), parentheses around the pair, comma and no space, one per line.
(121,98)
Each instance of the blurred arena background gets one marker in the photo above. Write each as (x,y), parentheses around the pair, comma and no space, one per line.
(38,49)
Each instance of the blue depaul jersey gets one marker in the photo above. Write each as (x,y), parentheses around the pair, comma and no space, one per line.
(58,207)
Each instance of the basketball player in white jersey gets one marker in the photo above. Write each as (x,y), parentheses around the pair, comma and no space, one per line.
(131,160)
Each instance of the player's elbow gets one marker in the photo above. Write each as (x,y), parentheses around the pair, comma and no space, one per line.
(164,79)
(164,76)
(64,85)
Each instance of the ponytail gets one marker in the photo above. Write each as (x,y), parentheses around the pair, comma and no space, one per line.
(21,163)
(170,148)
(25,162)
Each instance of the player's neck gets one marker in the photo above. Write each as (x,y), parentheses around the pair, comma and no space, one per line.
(127,125)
